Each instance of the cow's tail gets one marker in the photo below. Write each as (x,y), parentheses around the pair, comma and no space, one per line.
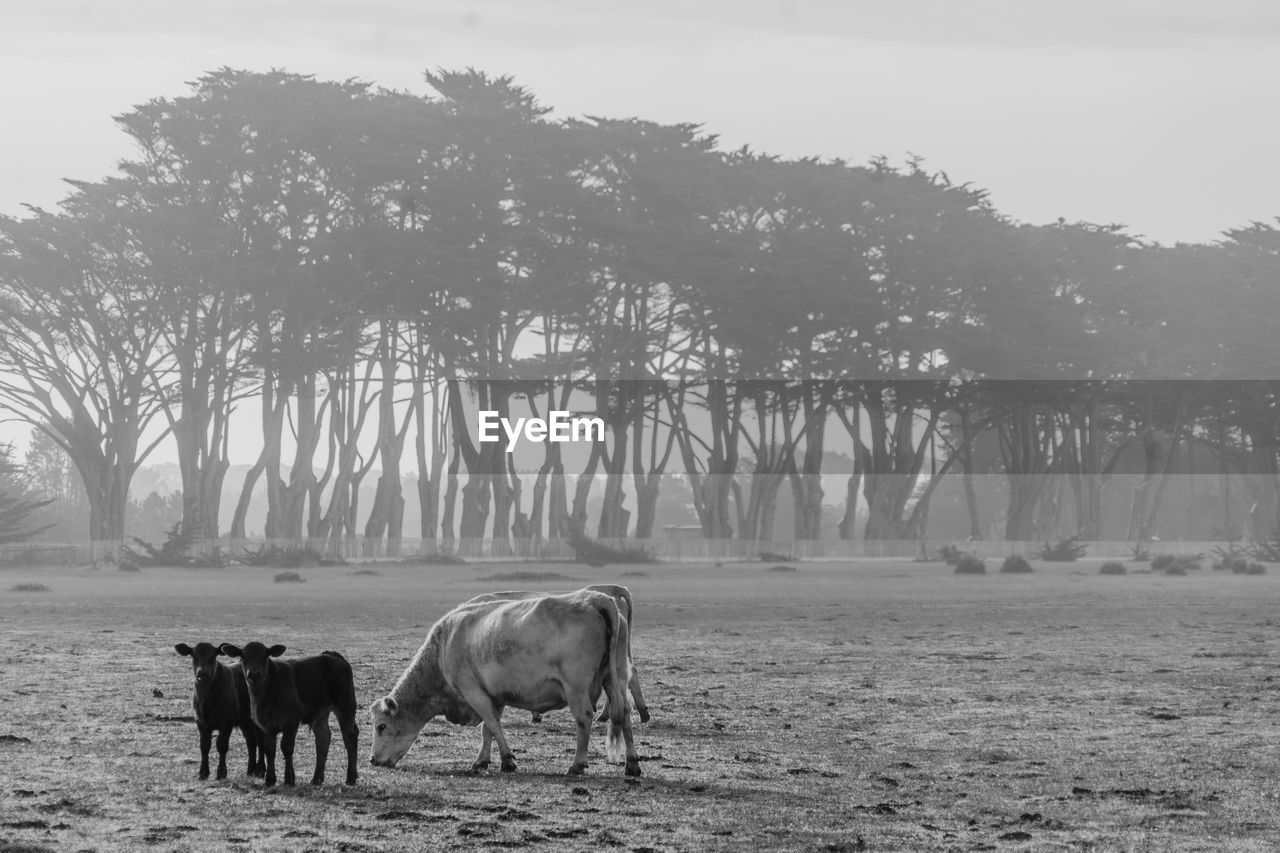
(616,677)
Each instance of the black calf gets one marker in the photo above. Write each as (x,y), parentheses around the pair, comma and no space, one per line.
(286,694)
(221,703)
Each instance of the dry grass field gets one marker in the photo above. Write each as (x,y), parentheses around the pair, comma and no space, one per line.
(839,707)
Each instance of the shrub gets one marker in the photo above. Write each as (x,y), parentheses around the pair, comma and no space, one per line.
(773,557)
(781,569)
(1066,551)
(597,554)
(276,557)
(1267,552)
(1184,562)
(28,587)
(433,560)
(176,551)
(1140,554)
(970,565)
(289,577)
(1015,565)
(1112,568)
(1245,567)
(950,554)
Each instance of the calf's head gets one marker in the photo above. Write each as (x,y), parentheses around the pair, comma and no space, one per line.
(255,658)
(204,661)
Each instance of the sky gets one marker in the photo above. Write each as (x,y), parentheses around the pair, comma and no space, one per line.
(1157,114)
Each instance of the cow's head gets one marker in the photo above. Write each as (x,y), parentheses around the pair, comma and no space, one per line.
(255,658)
(204,661)
(394,731)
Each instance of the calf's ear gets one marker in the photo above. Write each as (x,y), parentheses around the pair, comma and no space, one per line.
(275,651)
(229,650)
(183,649)
(391,707)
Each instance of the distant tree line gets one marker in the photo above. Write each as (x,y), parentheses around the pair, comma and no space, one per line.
(368,266)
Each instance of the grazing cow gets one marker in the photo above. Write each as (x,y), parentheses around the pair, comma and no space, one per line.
(622,596)
(221,703)
(286,694)
(538,654)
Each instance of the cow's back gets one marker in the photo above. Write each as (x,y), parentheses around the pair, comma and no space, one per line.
(515,645)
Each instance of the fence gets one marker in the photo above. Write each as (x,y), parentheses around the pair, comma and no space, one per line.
(677,549)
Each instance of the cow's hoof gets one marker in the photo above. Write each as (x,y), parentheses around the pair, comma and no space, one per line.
(576,770)
(644,714)
(269,782)
(535,718)
(202,775)
(480,766)
(633,766)
(317,780)
(508,764)
(222,774)
(351,778)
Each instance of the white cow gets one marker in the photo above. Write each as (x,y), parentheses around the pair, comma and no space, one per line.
(619,594)
(539,654)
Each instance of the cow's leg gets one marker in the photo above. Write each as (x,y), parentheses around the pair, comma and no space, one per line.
(269,747)
(287,739)
(351,740)
(535,717)
(482,760)
(633,758)
(634,684)
(582,708)
(206,741)
(491,714)
(224,743)
(320,728)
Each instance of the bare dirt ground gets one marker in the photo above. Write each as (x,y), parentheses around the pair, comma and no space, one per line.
(842,707)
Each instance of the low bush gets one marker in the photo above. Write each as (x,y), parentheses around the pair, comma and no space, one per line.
(1015,565)
(597,554)
(971,565)
(1112,568)
(28,587)
(1184,562)
(289,577)
(277,557)
(1140,554)
(176,551)
(1066,551)
(1249,568)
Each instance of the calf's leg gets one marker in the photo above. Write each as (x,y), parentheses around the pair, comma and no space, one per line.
(351,740)
(269,747)
(224,743)
(206,740)
(287,739)
(251,742)
(320,728)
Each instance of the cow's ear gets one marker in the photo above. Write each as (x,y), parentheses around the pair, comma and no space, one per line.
(229,650)
(275,651)
(391,707)
(183,649)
